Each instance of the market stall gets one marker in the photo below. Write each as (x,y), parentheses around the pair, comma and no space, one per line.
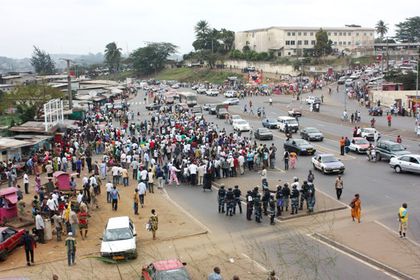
(8,204)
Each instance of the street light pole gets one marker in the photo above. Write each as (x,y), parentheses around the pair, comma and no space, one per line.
(69,83)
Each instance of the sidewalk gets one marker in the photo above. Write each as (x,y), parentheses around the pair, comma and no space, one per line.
(377,246)
(249,180)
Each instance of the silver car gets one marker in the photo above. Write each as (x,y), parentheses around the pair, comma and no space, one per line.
(406,163)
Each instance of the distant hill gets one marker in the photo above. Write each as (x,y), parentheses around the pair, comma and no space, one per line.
(24,64)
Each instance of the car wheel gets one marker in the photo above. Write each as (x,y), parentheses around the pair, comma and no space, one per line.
(3,255)
(357,151)
(397,169)
(323,171)
(378,157)
(313,164)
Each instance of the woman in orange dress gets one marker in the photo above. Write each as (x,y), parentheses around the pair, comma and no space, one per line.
(356,208)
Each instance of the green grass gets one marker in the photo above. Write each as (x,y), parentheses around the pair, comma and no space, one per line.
(6,120)
(196,75)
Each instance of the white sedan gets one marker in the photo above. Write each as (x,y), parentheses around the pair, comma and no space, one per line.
(406,163)
(231,101)
(230,94)
(241,125)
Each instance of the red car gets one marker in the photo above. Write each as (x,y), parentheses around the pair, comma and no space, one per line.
(162,270)
(10,238)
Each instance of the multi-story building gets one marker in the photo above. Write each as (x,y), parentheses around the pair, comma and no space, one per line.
(291,41)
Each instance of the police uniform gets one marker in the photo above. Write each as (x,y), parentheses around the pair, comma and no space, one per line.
(249,205)
(272,205)
(221,194)
(294,197)
(237,194)
(230,202)
(257,206)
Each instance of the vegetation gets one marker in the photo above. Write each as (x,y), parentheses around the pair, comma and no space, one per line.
(151,58)
(42,62)
(196,75)
(113,57)
(323,45)
(381,28)
(250,55)
(408,31)
(29,100)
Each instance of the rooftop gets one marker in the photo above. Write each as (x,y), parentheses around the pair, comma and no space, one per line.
(303,28)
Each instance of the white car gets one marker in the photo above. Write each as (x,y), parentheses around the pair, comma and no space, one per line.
(175,86)
(310,99)
(348,83)
(212,92)
(119,239)
(405,163)
(231,94)
(369,133)
(201,90)
(292,124)
(231,101)
(234,118)
(327,163)
(241,125)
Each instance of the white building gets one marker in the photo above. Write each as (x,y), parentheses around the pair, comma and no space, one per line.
(291,41)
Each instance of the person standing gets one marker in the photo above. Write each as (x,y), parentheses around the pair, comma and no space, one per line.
(26,183)
(136,202)
(237,194)
(356,207)
(58,224)
(83,222)
(389,119)
(249,205)
(293,159)
(40,226)
(339,185)
(115,195)
(109,187)
(403,219)
(342,144)
(272,209)
(29,245)
(294,197)
(153,222)
(142,192)
(221,196)
(286,156)
(71,249)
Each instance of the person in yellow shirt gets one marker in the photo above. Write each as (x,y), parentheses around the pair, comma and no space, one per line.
(403,219)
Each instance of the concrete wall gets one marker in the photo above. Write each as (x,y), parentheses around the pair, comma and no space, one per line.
(388,98)
(265,66)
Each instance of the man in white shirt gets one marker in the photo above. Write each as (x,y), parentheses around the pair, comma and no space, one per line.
(109,186)
(80,197)
(40,226)
(114,171)
(193,172)
(26,183)
(142,192)
(52,206)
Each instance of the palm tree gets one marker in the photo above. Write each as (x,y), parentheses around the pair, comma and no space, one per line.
(112,56)
(201,29)
(381,29)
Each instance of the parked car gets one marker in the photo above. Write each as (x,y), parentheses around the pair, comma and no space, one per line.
(341,80)
(231,93)
(406,163)
(299,146)
(311,134)
(231,101)
(162,270)
(291,123)
(241,125)
(119,239)
(376,111)
(153,106)
(270,123)
(222,113)
(202,90)
(348,83)
(181,107)
(263,134)
(295,112)
(212,92)
(327,163)
(359,145)
(10,238)
(369,133)
(206,107)
(310,99)
(386,149)
(212,109)
(233,118)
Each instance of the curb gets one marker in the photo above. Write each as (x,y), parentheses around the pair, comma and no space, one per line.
(178,237)
(362,257)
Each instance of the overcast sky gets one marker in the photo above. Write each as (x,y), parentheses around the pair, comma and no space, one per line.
(82,26)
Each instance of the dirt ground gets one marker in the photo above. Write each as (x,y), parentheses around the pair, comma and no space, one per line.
(179,236)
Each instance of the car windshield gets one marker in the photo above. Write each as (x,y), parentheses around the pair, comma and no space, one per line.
(327,159)
(241,122)
(369,130)
(236,117)
(361,141)
(292,122)
(312,130)
(174,274)
(117,234)
(397,147)
(264,130)
(299,141)
(271,120)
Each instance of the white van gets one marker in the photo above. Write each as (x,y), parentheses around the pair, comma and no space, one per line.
(119,239)
(292,123)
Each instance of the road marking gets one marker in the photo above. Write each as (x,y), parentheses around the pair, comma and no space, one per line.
(260,266)
(185,211)
(351,256)
(396,233)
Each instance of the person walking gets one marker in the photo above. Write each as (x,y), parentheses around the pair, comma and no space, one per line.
(83,222)
(339,185)
(342,144)
(286,156)
(153,223)
(293,160)
(403,220)
(115,195)
(356,208)
(71,249)
(142,192)
(40,226)
(389,119)
(215,275)
(29,245)
(136,202)
(26,183)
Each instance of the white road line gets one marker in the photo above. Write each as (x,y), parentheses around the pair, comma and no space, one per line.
(351,256)
(396,233)
(186,212)
(260,266)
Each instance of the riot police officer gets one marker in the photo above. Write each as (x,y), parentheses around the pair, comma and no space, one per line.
(237,194)
(272,205)
(221,194)
(303,193)
(279,198)
(266,200)
(294,197)
(230,202)
(249,205)
(257,206)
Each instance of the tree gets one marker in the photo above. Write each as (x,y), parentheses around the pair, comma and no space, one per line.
(381,28)
(408,31)
(323,45)
(42,62)
(113,56)
(152,58)
(29,100)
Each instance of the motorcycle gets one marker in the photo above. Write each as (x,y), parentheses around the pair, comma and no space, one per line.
(371,155)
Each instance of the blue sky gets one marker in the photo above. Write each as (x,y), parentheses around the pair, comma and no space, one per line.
(82,26)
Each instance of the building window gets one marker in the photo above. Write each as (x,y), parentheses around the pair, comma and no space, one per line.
(344,43)
(329,33)
(288,33)
(364,34)
(292,43)
(253,34)
(340,43)
(299,42)
(304,33)
(348,33)
(344,34)
(349,43)
(313,42)
(293,33)
(357,33)
(339,34)
(335,33)
(289,53)
(312,34)
(287,43)
(306,42)
(371,34)
(335,43)
(299,33)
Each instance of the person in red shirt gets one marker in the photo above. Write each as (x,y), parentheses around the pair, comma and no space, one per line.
(399,140)
(83,222)
(389,119)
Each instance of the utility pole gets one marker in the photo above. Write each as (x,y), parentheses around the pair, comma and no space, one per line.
(69,83)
